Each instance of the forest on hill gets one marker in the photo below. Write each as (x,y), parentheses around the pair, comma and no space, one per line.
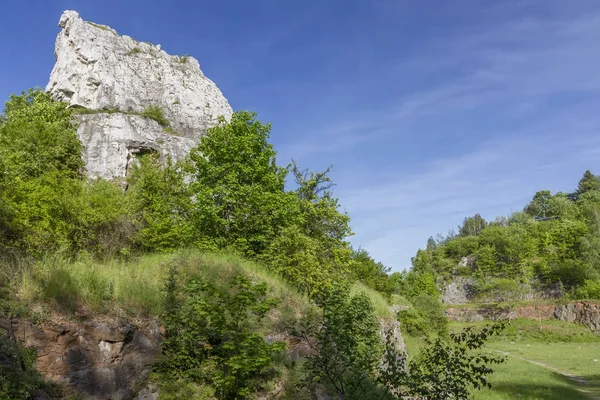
(554,241)
(223,247)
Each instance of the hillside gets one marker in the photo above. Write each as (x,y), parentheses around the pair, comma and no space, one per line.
(549,250)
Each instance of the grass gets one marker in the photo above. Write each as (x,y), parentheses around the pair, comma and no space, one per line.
(103,27)
(563,346)
(157,114)
(136,287)
(382,307)
(134,51)
(518,379)
(153,112)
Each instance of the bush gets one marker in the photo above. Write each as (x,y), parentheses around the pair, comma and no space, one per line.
(443,369)
(156,113)
(347,347)
(19,379)
(424,317)
(589,290)
(212,335)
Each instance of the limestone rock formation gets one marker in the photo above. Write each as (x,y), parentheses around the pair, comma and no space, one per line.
(98,358)
(114,79)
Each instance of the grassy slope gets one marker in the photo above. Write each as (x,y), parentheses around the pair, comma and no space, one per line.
(135,287)
(560,345)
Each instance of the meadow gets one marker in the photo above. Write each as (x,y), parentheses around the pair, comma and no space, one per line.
(559,361)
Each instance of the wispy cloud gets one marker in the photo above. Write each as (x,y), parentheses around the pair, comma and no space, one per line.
(519,96)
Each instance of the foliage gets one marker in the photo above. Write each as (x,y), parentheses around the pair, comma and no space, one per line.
(162,204)
(589,290)
(157,114)
(443,369)
(554,240)
(426,315)
(134,51)
(472,226)
(347,346)
(238,187)
(211,335)
(19,379)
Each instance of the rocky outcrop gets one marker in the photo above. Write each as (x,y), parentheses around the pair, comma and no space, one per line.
(495,312)
(582,312)
(95,358)
(460,291)
(117,78)
(585,313)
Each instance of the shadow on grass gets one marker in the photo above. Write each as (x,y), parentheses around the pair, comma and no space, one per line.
(574,390)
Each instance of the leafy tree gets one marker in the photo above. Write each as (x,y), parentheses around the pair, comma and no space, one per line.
(472,226)
(40,164)
(303,261)
(539,206)
(347,346)
(588,182)
(424,317)
(238,187)
(161,203)
(321,218)
(37,136)
(313,253)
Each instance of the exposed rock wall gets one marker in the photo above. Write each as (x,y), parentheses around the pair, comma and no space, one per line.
(96,358)
(97,69)
(581,312)
(498,312)
(584,313)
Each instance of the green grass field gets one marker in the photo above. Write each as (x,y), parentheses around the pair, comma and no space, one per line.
(559,349)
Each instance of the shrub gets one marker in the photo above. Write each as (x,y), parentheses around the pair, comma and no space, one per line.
(589,290)
(157,114)
(443,369)
(19,379)
(424,317)
(347,347)
(212,335)
(134,51)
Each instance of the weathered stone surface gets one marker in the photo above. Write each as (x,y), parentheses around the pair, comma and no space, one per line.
(98,359)
(585,313)
(459,291)
(494,312)
(99,70)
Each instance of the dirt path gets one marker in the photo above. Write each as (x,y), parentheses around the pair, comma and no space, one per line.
(579,381)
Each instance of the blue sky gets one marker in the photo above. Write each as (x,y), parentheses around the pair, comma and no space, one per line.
(429,111)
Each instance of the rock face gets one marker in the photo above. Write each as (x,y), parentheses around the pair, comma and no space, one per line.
(98,70)
(585,313)
(98,359)
(582,312)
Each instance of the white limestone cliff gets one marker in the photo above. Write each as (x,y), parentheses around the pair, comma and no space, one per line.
(99,70)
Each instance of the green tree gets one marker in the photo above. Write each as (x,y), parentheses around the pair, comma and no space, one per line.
(539,205)
(312,253)
(238,187)
(40,165)
(161,204)
(588,183)
(472,226)
(347,347)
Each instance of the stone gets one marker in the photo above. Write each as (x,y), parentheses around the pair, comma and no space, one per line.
(97,357)
(98,70)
